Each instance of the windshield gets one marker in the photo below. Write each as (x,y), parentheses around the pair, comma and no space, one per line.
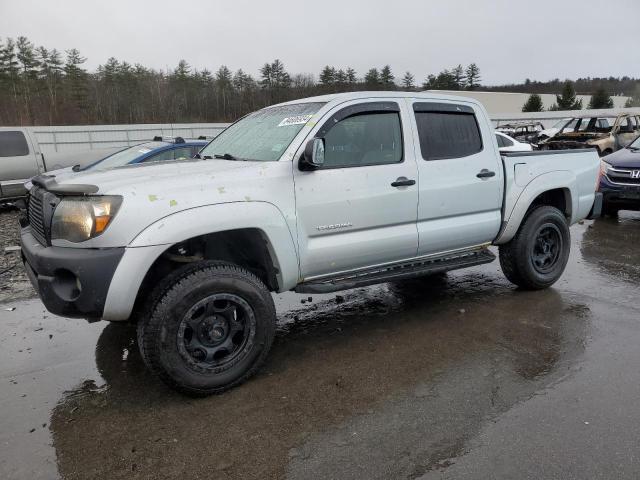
(123,157)
(263,135)
(635,143)
(560,123)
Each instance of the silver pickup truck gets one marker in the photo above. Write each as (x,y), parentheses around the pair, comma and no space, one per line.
(316,195)
(21,158)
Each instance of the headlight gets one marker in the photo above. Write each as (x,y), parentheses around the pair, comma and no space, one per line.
(77,219)
(604,166)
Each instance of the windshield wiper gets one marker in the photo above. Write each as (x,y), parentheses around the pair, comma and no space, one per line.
(226,156)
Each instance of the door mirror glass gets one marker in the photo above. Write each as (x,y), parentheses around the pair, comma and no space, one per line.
(313,154)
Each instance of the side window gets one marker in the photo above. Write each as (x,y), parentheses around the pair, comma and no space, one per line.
(500,140)
(507,142)
(452,133)
(364,139)
(183,153)
(625,125)
(160,157)
(13,144)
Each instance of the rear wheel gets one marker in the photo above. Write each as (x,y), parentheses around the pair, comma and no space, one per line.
(537,256)
(210,328)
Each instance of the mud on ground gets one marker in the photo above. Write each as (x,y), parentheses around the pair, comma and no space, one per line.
(14,284)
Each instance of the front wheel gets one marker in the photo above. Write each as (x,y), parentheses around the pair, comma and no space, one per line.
(537,256)
(210,328)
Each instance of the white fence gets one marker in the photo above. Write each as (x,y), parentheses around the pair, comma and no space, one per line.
(93,137)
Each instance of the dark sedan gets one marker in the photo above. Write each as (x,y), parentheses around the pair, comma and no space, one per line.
(620,179)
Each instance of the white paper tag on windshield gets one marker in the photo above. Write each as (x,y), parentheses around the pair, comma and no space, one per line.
(297,120)
(144,150)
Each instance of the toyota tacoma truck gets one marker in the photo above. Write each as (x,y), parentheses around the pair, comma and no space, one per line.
(316,195)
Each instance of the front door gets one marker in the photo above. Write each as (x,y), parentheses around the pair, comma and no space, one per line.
(360,208)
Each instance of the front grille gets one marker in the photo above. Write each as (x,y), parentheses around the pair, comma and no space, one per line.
(35,214)
(623,177)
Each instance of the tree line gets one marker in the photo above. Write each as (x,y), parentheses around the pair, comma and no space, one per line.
(41,86)
(568,100)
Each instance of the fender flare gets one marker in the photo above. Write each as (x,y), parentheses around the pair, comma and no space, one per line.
(558,179)
(150,243)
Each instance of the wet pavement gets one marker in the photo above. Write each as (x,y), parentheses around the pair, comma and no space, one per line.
(456,376)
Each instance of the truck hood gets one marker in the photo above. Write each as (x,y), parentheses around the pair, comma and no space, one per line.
(184,183)
(624,158)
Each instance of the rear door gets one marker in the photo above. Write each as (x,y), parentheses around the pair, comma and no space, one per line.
(360,208)
(17,162)
(460,176)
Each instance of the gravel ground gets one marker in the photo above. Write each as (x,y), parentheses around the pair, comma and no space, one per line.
(14,283)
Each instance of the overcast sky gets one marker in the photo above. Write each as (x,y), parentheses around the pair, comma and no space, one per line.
(510,40)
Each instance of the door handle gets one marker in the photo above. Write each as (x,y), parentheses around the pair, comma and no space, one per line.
(484,173)
(403,182)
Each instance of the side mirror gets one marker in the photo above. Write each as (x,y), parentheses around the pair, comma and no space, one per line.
(313,156)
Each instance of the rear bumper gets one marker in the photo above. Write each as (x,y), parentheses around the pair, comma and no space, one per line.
(596,209)
(71,282)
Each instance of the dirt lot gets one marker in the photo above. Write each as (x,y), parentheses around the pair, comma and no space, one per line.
(14,283)
(453,377)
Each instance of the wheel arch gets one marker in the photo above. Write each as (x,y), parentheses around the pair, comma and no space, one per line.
(557,189)
(254,235)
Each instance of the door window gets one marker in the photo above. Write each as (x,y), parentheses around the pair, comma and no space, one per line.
(503,141)
(13,144)
(364,139)
(181,153)
(448,134)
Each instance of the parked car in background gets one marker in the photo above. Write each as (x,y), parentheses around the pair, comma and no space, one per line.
(552,131)
(161,149)
(522,131)
(21,158)
(606,133)
(620,180)
(314,195)
(508,144)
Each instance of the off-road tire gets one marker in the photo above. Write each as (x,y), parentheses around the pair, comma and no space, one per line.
(174,296)
(517,256)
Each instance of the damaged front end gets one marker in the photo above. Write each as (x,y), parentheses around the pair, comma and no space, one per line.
(577,141)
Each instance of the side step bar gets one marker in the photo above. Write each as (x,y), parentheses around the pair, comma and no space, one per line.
(398,271)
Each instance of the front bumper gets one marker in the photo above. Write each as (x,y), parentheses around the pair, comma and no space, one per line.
(627,196)
(71,282)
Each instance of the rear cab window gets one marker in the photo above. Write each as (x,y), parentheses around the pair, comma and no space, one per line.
(447,130)
(13,144)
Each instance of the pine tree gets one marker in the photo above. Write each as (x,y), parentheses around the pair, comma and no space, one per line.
(372,78)
(51,75)
(458,77)
(600,99)
(472,77)
(351,77)
(386,77)
(533,104)
(328,76)
(568,100)
(408,81)
(224,86)
(75,81)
